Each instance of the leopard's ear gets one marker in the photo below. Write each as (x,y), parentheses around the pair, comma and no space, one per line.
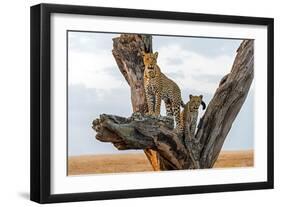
(190,96)
(201,96)
(156,55)
(203,105)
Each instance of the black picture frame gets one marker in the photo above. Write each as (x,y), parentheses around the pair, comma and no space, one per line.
(41,98)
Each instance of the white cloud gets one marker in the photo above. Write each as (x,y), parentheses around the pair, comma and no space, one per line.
(192,66)
(91,70)
(190,69)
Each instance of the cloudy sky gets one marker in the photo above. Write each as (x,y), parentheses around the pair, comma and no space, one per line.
(96,85)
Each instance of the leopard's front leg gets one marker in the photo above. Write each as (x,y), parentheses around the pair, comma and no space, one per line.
(176,110)
(150,102)
(193,128)
(157,103)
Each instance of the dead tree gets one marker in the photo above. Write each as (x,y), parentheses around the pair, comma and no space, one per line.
(156,135)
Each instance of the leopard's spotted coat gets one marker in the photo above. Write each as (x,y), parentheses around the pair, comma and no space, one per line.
(159,87)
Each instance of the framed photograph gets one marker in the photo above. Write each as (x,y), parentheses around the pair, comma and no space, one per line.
(132,103)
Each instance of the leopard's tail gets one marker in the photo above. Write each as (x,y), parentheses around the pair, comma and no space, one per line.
(182,104)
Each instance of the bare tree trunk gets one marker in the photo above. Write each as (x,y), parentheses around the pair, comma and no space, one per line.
(127,50)
(226,104)
(157,136)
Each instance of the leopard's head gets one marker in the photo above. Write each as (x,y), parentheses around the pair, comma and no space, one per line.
(150,62)
(195,102)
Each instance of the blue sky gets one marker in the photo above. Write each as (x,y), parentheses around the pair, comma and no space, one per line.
(96,85)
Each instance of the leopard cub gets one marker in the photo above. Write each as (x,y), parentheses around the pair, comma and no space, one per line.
(189,116)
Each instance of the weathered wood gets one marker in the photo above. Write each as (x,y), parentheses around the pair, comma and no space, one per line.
(156,134)
(143,132)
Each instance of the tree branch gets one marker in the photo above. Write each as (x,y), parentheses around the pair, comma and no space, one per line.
(143,132)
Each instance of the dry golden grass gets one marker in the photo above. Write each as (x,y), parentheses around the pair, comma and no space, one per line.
(235,159)
(92,164)
(89,164)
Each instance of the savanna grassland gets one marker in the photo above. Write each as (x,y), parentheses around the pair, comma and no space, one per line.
(92,164)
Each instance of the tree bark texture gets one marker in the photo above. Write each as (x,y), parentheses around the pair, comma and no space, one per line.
(165,148)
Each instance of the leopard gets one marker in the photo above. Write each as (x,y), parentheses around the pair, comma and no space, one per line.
(159,87)
(189,116)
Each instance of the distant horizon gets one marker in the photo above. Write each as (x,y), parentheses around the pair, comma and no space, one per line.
(140,151)
(196,64)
